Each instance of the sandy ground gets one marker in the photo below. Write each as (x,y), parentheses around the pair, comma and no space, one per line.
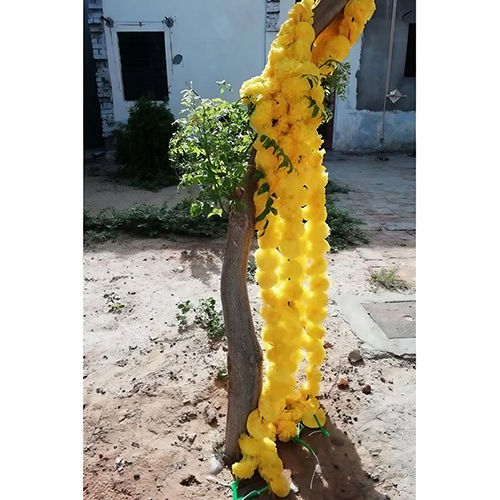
(153,409)
(101,191)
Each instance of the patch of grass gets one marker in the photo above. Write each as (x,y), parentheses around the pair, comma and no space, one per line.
(345,230)
(389,279)
(334,186)
(152,221)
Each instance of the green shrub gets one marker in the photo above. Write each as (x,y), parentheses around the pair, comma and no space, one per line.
(344,229)
(151,221)
(389,279)
(142,144)
(211,149)
(333,187)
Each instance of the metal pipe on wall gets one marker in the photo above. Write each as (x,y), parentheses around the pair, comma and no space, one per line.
(389,68)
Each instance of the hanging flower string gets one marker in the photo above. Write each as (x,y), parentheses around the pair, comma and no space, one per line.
(291,228)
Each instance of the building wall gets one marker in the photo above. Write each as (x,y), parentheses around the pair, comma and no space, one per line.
(92,129)
(99,52)
(218,40)
(222,39)
(358,119)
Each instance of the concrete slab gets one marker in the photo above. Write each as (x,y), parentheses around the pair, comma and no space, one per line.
(396,319)
(354,311)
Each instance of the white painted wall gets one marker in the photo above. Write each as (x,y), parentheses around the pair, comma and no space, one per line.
(218,39)
(359,129)
(285,6)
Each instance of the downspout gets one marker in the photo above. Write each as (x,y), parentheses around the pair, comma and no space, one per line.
(389,68)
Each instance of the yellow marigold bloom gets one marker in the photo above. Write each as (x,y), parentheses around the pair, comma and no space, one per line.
(267,259)
(262,115)
(305,32)
(294,88)
(338,47)
(266,279)
(245,468)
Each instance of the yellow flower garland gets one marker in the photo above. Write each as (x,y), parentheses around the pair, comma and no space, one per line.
(291,262)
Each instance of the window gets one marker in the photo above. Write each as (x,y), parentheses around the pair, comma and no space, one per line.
(144,68)
(410,63)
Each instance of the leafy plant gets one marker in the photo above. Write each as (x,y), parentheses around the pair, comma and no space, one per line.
(112,301)
(334,84)
(206,316)
(388,278)
(142,144)
(151,221)
(211,149)
(222,373)
(344,229)
(337,82)
(183,310)
(210,319)
(334,186)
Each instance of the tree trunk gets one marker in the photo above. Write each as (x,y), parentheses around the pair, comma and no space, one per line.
(325,12)
(244,356)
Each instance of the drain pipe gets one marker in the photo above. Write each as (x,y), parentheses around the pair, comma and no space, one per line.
(389,68)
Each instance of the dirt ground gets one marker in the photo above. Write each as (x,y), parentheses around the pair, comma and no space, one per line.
(153,409)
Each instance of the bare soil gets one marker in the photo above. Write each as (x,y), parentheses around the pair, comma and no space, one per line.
(154,411)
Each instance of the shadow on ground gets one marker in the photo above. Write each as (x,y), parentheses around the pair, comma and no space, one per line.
(341,478)
(201,263)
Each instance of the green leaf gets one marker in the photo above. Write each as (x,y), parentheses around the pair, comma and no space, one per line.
(263,188)
(265,227)
(284,163)
(195,209)
(262,215)
(215,211)
(273,211)
(315,111)
(259,174)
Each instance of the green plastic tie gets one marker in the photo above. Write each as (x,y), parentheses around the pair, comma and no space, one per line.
(303,443)
(252,494)
(323,430)
(234,488)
